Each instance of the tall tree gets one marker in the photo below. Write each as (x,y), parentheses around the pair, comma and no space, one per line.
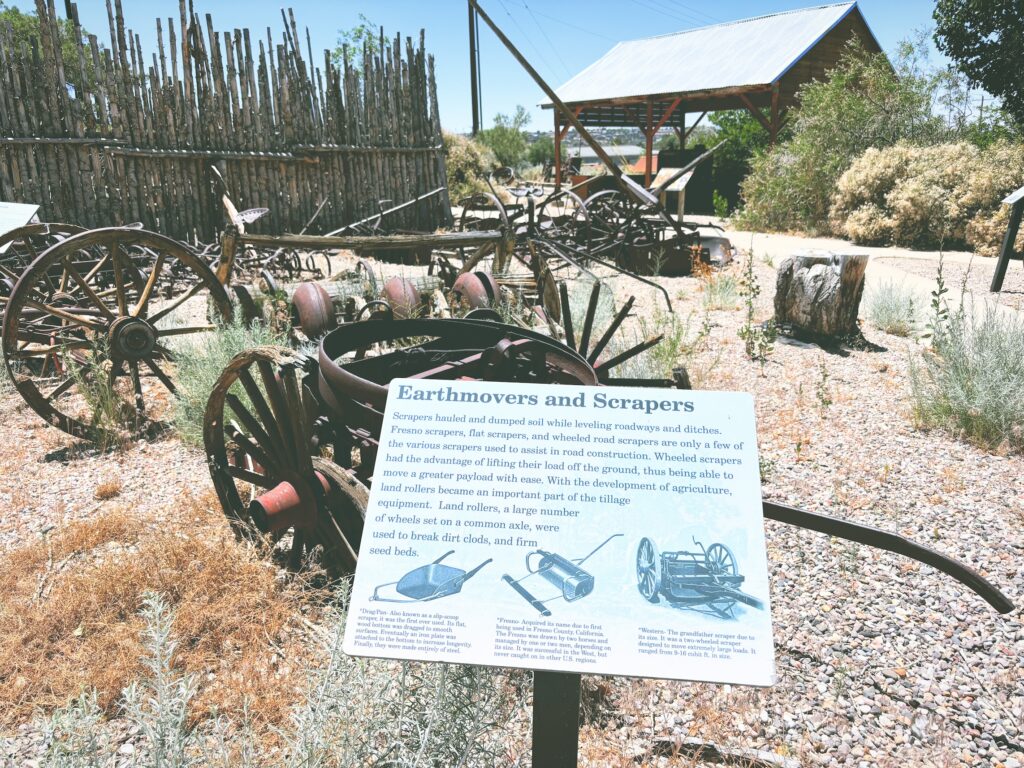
(986,40)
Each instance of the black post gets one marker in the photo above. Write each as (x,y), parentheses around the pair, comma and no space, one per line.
(556,719)
(474,66)
(1007,252)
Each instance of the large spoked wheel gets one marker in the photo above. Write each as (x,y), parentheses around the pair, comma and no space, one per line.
(262,444)
(648,570)
(90,329)
(616,223)
(720,561)
(23,245)
(564,217)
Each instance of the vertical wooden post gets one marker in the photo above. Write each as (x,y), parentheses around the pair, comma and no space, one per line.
(556,719)
(474,87)
(649,148)
(775,113)
(681,131)
(1007,250)
(558,154)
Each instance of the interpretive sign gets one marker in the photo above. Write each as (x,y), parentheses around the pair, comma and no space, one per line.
(14,215)
(601,530)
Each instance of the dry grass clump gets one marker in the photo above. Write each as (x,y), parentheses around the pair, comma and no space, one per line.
(70,614)
(927,197)
(107,489)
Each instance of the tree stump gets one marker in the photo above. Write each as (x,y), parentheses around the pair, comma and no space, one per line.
(817,293)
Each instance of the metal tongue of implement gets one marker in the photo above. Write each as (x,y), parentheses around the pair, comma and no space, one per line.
(429,582)
(572,581)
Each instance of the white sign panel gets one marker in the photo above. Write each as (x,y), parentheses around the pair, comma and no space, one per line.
(599,530)
(14,215)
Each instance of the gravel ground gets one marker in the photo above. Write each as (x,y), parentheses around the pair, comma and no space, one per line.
(880,661)
(978,277)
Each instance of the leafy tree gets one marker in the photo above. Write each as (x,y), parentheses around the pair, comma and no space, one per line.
(506,139)
(744,137)
(352,42)
(541,151)
(25,27)
(986,40)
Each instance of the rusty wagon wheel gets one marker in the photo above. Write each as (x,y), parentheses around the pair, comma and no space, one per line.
(563,217)
(23,245)
(616,223)
(648,570)
(262,447)
(87,327)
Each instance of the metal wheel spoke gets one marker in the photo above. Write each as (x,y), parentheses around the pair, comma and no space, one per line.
(60,389)
(140,403)
(251,425)
(122,296)
(87,289)
(164,311)
(147,291)
(262,409)
(164,378)
(261,457)
(185,329)
(65,315)
(272,387)
(248,476)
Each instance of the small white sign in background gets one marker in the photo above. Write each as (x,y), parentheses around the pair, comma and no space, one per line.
(600,530)
(14,215)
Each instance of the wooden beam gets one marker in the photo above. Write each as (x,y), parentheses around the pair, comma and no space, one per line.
(774,130)
(649,144)
(668,113)
(690,130)
(1007,251)
(755,112)
(558,155)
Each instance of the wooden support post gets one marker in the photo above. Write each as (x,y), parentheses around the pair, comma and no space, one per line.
(757,113)
(1007,251)
(774,119)
(474,68)
(649,148)
(681,133)
(690,129)
(558,154)
(556,719)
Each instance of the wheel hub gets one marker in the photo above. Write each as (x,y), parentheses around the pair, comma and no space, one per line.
(131,338)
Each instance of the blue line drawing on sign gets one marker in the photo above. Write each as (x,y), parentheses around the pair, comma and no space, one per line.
(428,582)
(573,582)
(708,580)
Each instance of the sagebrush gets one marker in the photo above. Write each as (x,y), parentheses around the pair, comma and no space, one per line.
(200,362)
(969,381)
(928,197)
(891,308)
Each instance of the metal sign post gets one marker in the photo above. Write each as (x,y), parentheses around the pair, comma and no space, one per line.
(1007,252)
(556,719)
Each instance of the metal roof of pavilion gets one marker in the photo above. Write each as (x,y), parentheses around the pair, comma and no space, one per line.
(749,52)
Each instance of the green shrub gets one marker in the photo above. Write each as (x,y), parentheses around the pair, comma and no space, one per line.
(467,162)
(865,102)
(200,362)
(946,195)
(890,308)
(970,381)
(506,138)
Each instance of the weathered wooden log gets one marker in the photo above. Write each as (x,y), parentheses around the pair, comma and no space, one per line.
(818,293)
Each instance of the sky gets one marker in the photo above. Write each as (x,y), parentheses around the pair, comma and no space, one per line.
(558,37)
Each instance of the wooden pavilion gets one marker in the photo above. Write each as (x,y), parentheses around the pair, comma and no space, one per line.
(755,64)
